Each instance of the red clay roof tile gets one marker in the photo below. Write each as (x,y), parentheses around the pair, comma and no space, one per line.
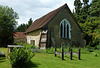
(19,35)
(39,23)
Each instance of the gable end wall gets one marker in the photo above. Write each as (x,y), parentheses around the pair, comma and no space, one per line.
(35,35)
(76,33)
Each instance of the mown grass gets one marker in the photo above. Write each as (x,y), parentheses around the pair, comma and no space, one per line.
(49,61)
(43,60)
(4,62)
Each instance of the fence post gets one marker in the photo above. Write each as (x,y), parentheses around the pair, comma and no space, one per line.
(55,52)
(8,52)
(79,54)
(70,54)
(62,53)
(69,49)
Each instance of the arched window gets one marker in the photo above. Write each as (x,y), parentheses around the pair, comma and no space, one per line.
(65,29)
(61,29)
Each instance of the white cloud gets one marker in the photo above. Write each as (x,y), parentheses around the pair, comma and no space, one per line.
(34,9)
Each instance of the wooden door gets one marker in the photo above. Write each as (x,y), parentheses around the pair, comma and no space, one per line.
(32,42)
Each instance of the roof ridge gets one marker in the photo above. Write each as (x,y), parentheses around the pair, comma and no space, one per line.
(42,21)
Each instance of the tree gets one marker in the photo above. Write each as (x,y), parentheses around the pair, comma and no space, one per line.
(84,12)
(78,6)
(23,27)
(89,28)
(30,22)
(95,8)
(85,2)
(7,25)
(89,20)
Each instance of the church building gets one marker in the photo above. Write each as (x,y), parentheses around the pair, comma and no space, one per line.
(54,28)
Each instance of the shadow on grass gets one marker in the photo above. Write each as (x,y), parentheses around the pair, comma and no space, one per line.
(67,56)
(32,65)
(61,58)
(2,59)
(28,65)
(58,56)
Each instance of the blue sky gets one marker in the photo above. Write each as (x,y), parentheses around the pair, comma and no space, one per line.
(34,9)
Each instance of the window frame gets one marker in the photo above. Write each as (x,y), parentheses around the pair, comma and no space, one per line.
(64,24)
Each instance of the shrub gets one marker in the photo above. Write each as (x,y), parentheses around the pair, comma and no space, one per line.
(98,46)
(85,51)
(20,57)
(28,46)
(50,50)
(75,49)
(90,49)
(40,51)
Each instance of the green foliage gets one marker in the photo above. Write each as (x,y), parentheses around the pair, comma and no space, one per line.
(85,2)
(86,50)
(40,51)
(7,25)
(50,50)
(33,48)
(30,22)
(95,8)
(78,6)
(23,27)
(91,29)
(27,45)
(98,46)
(96,35)
(75,49)
(41,60)
(89,20)
(21,57)
(90,49)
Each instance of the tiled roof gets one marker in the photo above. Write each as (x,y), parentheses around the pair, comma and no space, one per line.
(19,35)
(44,20)
(39,23)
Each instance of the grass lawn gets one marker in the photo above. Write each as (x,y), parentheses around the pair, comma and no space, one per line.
(4,62)
(41,60)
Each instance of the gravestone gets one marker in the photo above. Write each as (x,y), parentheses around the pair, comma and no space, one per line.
(63,45)
(2,54)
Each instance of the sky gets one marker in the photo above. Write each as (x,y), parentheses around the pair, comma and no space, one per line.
(34,9)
